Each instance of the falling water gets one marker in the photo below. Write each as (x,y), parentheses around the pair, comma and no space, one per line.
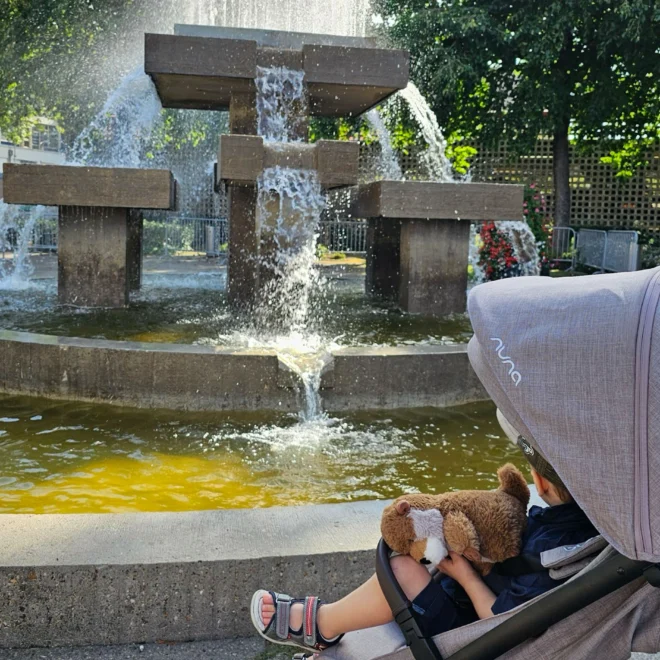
(389,164)
(524,245)
(289,207)
(281,104)
(342,17)
(439,167)
(120,132)
(522,240)
(16,230)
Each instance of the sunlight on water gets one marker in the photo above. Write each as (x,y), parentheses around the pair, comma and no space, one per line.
(59,457)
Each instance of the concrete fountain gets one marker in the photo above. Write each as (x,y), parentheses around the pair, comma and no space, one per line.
(181,576)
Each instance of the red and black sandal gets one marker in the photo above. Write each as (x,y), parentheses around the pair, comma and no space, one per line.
(279,631)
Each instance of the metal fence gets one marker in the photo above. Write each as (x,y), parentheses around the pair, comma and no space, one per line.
(621,251)
(167,235)
(614,251)
(344,236)
(563,245)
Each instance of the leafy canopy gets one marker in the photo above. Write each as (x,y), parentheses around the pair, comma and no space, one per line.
(520,68)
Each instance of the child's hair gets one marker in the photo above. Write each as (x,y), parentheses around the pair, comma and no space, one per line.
(542,466)
(535,458)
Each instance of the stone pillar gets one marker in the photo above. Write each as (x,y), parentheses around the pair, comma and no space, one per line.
(134,250)
(243,113)
(383,258)
(92,256)
(434,266)
(243,262)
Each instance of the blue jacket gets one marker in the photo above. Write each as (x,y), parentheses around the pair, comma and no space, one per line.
(547,528)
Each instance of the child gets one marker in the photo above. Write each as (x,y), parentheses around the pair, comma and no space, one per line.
(459,598)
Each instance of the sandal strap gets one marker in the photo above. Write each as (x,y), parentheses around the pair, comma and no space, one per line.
(309,621)
(282,613)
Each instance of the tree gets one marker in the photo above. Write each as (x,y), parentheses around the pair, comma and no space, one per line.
(570,69)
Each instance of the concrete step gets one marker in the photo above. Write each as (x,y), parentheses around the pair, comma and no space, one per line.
(242,648)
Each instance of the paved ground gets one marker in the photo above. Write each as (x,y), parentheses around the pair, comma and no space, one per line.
(236,649)
(45,265)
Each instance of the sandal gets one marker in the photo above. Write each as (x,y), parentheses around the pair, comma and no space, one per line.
(278,631)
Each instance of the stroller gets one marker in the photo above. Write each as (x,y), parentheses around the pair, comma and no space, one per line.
(574,365)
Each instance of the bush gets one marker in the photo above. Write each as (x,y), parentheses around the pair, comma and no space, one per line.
(496,256)
(535,211)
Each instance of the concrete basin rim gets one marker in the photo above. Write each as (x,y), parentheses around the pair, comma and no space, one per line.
(399,350)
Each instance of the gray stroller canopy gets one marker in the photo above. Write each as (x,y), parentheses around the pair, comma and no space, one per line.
(574,365)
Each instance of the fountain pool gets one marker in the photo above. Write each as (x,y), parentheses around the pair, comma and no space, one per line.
(63,457)
(193,309)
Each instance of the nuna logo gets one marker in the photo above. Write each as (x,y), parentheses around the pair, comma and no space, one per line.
(506,360)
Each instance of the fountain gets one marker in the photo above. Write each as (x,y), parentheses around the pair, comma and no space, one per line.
(190,579)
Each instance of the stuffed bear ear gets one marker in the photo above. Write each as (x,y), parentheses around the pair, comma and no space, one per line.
(402,507)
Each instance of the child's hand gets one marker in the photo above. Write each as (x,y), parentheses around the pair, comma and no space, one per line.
(457,567)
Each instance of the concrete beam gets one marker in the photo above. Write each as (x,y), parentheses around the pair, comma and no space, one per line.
(204,71)
(64,185)
(439,201)
(180,377)
(68,580)
(243,158)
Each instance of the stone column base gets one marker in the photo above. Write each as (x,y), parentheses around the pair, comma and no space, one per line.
(93,256)
(419,264)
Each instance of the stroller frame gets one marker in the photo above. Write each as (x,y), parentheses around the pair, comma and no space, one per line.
(534,620)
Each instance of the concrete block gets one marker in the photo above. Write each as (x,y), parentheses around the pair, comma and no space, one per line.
(92,257)
(383,276)
(343,78)
(243,259)
(64,185)
(434,260)
(68,580)
(242,159)
(441,201)
(418,238)
(402,377)
(134,250)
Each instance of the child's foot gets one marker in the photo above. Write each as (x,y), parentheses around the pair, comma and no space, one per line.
(267,607)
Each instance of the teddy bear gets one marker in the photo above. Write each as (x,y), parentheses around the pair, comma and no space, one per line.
(485,527)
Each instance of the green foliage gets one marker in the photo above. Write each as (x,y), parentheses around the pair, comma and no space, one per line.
(535,211)
(460,154)
(45,48)
(162,236)
(322,251)
(628,157)
(517,68)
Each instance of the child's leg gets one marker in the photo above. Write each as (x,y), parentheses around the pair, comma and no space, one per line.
(363,608)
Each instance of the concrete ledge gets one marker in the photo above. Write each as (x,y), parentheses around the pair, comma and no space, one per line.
(66,185)
(440,201)
(186,377)
(68,580)
(401,377)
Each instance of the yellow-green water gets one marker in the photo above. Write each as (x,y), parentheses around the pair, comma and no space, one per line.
(187,314)
(58,457)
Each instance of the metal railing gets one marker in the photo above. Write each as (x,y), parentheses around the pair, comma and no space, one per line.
(344,236)
(167,235)
(614,251)
(562,245)
(621,251)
